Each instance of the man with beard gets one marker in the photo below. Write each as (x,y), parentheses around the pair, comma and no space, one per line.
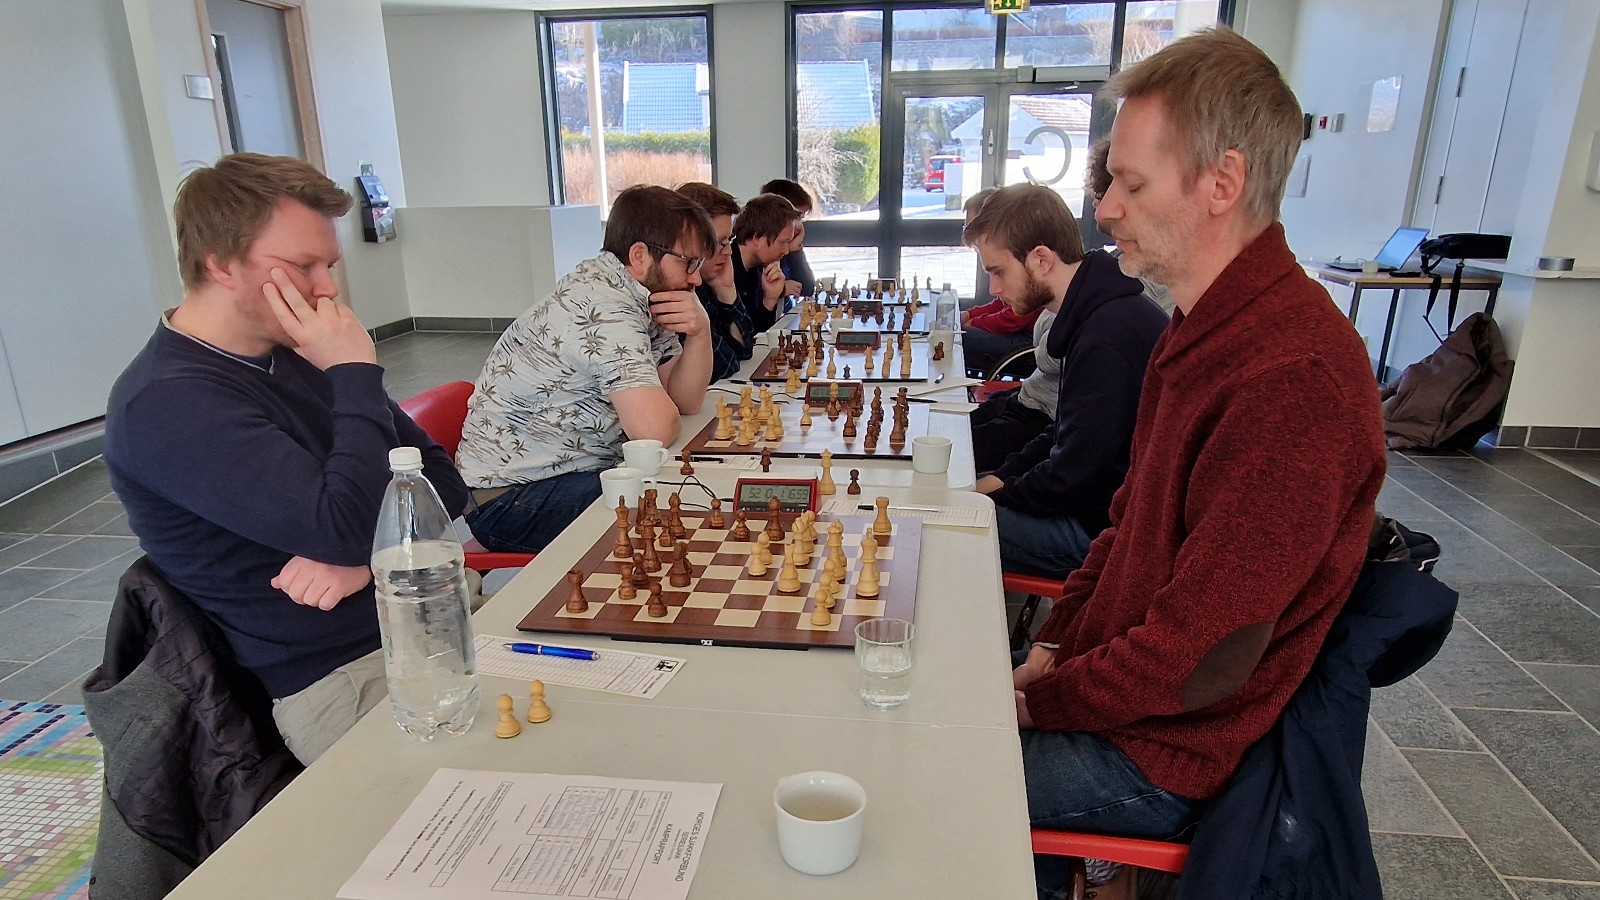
(1054,495)
(597,362)
(767,228)
(733,336)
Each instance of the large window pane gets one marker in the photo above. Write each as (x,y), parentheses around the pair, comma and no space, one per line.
(930,39)
(839,85)
(654,97)
(955,266)
(943,162)
(1153,25)
(855,265)
(1076,34)
(1047,142)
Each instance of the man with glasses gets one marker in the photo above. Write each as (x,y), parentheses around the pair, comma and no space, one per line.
(732,333)
(618,351)
(767,228)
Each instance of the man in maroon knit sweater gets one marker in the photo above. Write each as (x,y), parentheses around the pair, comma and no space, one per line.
(1257,457)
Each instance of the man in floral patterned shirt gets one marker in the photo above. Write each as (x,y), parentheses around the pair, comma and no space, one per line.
(618,351)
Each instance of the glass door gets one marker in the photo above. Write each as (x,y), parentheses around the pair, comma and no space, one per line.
(1047,133)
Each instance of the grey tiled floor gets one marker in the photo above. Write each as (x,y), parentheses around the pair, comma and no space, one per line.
(1483,771)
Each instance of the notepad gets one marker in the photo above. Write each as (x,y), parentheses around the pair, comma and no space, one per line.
(955,516)
(640,675)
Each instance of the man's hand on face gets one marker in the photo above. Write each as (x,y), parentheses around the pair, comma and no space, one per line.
(680,311)
(772,282)
(326,334)
(311,583)
(721,283)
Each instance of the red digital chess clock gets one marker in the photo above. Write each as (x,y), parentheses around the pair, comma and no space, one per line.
(857,340)
(866,308)
(795,495)
(817,391)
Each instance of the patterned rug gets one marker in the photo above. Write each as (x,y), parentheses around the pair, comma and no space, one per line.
(50,773)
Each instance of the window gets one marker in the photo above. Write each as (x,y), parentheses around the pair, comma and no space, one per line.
(838,97)
(647,79)
(927,40)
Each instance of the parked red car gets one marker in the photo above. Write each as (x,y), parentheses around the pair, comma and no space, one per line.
(933,178)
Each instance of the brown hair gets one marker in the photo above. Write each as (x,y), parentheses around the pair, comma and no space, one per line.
(656,217)
(1222,93)
(221,209)
(792,191)
(976,201)
(1096,177)
(714,200)
(765,216)
(1024,216)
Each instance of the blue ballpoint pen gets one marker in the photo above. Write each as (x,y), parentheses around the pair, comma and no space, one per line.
(547,650)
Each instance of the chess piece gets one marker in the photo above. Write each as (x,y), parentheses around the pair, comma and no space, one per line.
(675,526)
(805,415)
(665,540)
(625,587)
(774,429)
(741,531)
(905,366)
(680,574)
(867,582)
(868,364)
(656,608)
(882,525)
(897,437)
(747,432)
(938,351)
(624,547)
(871,443)
(789,575)
(652,562)
(846,373)
(762,557)
(641,576)
(766,459)
(688,465)
(774,529)
(849,425)
(813,367)
(538,710)
(820,616)
(507,727)
(716,520)
(833,408)
(825,485)
(831,368)
(724,424)
(855,482)
(792,385)
(575,601)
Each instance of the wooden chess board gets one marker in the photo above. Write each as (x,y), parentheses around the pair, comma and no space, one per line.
(822,434)
(725,604)
(855,358)
(891,322)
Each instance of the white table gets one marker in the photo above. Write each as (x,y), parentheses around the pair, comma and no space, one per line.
(947,811)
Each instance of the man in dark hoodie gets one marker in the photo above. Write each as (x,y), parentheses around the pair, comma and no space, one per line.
(1054,495)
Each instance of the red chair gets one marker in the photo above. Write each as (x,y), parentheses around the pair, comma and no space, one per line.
(1035,587)
(1158,855)
(441,411)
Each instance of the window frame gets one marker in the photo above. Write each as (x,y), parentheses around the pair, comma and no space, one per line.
(547,77)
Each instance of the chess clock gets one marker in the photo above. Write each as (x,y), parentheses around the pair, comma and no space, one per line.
(817,391)
(866,308)
(796,495)
(857,340)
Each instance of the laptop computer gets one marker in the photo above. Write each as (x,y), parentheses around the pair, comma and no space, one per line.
(1394,254)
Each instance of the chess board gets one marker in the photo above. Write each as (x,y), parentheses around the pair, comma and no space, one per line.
(822,434)
(919,322)
(724,604)
(855,358)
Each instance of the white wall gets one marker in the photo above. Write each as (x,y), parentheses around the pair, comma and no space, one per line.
(492,261)
(1270,25)
(751,117)
(468,106)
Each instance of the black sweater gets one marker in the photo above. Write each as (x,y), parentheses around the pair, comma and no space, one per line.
(228,470)
(1103,335)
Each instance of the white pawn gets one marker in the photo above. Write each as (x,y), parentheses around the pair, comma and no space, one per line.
(761,558)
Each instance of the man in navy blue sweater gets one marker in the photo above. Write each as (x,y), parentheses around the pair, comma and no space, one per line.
(249,439)
(1053,496)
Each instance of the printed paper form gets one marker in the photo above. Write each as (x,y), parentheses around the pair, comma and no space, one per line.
(640,675)
(485,835)
(954,516)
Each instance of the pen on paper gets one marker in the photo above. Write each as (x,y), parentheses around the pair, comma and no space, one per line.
(547,650)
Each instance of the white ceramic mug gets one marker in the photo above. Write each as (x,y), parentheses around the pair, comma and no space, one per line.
(820,817)
(930,453)
(1369,267)
(647,455)
(621,483)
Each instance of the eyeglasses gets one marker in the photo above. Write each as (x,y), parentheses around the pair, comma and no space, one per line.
(691,264)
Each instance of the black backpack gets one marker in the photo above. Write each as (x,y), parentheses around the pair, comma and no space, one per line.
(1459,247)
(1390,541)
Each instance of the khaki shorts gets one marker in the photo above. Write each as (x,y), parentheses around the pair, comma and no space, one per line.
(312,719)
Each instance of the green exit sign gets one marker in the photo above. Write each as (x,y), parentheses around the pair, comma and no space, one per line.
(1003,7)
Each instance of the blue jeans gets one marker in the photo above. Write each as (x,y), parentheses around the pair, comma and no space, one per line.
(1030,545)
(983,350)
(528,517)
(1081,782)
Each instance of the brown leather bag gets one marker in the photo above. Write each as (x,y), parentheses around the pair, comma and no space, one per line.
(1451,398)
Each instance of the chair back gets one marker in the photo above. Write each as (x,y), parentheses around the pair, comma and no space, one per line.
(441,411)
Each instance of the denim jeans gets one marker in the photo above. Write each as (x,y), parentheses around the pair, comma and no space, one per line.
(1031,545)
(528,517)
(1081,782)
(983,350)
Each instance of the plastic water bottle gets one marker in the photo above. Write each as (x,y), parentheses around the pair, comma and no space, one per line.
(424,606)
(946,318)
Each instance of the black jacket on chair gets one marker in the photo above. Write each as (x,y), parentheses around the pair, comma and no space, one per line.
(1292,823)
(191,751)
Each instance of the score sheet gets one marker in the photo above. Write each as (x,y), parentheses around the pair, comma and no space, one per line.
(484,835)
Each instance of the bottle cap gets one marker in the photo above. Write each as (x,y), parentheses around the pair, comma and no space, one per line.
(405,459)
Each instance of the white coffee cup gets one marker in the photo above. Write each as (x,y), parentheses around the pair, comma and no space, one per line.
(820,816)
(930,453)
(647,455)
(1369,267)
(621,483)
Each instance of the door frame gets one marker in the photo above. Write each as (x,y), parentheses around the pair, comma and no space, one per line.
(305,100)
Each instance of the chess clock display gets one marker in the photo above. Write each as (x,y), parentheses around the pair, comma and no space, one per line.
(858,340)
(867,308)
(818,393)
(795,495)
